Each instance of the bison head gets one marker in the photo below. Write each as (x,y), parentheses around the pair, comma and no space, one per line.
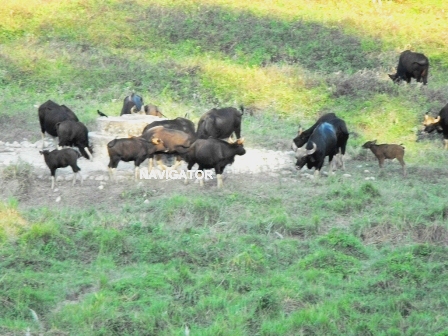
(302,155)
(369,144)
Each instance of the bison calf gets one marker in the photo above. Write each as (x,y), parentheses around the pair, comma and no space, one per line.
(387,151)
(61,158)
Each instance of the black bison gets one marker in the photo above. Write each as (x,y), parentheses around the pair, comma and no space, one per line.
(220,123)
(321,143)
(61,158)
(213,153)
(340,127)
(135,149)
(51,113)
(411,65)
(176,142)
(74,133)
(387,151)
(439,124)
(132,104)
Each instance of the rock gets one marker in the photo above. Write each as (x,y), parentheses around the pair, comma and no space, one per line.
(146,201)
(366,171)
(59,178)
(346,175)
(55,190)
(101,187)
(58,199)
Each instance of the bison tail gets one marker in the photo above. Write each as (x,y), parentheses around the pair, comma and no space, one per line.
(242,109)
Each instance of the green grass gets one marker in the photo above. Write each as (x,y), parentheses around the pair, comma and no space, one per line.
(341,256)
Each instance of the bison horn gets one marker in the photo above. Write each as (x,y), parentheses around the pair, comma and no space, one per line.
(436,120)
(300,130)
(293,146)
(240,141)
(311,151)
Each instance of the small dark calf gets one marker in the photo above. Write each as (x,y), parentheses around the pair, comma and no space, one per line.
(61,158)
(411,65)
(387,151)
(74,133)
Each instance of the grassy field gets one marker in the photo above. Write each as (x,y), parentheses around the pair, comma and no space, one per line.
(264,256)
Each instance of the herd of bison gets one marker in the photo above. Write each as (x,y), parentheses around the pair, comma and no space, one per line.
(211,144)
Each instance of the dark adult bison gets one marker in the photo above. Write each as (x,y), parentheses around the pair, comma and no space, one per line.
(439,124)
(340,128)
(220,123)
(411,65)
(213,153)
(132,104)
(321,143)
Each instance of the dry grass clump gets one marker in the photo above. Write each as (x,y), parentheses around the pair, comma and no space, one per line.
(17,179)
(363,82)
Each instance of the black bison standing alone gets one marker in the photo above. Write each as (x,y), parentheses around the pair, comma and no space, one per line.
(411,65)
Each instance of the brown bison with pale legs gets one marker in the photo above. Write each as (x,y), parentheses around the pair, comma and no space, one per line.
(135,149)
(175,142)
(387,151)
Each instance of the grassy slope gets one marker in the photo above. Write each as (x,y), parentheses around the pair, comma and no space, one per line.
(214,260)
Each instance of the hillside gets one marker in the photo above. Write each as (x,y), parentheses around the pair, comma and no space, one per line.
(271,253)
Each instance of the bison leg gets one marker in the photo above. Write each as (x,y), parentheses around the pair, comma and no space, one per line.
(219,178)
(112,172)
(403,165)
(160,162)
(43,139)
(177,163)
(88,153)
(150,164)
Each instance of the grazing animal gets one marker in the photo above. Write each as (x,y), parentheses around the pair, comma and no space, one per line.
(213,153)
(220,123)
(321,143)
(101,114)
(153,110)
(387,151)
(340,127)
(180,124)
(135,149)
(74,133)
(132,104)
(51,113)
(439,124)
(411,65)
(61,158)
(175,141)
